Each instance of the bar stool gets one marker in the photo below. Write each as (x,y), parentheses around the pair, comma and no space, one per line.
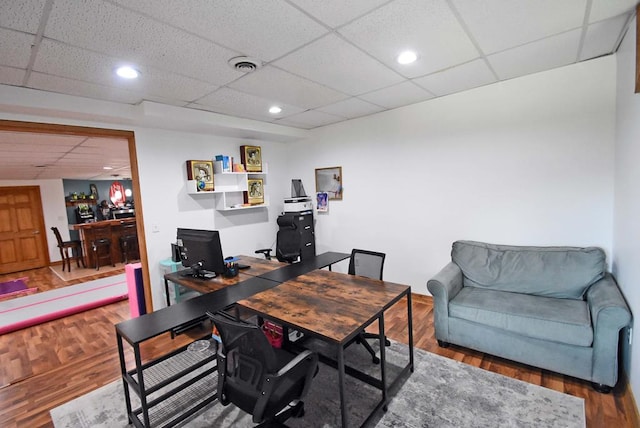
(76,250)
(101,246)
(129,243)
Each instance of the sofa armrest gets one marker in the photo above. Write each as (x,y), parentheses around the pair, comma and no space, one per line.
(609,314)
(443,287)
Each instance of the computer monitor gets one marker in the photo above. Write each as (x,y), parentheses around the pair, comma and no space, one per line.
(200,252)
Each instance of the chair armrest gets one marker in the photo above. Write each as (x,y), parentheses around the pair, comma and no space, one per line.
(299,359)
(609,314)
(443,287)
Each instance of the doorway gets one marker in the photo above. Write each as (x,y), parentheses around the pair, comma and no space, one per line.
(58,130)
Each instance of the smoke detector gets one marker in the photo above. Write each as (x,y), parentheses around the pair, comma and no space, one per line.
(245,64)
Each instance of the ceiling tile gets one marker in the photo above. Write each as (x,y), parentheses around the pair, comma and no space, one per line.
(119,33)
(337,12)
(272,83)
(601,37)
(11,76)
(427,27)
(604,9)
(310,119)
(63,85)
(87,66)
(23,15)
(262,29)
(230,101)
(398,95)
(538,56)
(339,65)
(497,25)
(470,75)
(351,108)
(15,48)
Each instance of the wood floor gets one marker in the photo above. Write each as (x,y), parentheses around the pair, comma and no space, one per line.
(44,366)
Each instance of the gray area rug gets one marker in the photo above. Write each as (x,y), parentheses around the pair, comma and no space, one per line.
(440,393)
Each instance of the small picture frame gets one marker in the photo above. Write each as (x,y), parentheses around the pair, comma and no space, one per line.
(251,158)
(329,180)
(255,193)
(202,172)
(322,199)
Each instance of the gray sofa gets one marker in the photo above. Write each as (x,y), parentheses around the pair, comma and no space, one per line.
(550,307)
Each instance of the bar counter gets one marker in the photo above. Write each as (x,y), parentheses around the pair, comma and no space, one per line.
(112,229)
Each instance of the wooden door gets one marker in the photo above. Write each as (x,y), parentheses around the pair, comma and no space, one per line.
(23,241)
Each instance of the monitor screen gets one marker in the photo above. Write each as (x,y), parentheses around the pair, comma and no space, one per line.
(201,251)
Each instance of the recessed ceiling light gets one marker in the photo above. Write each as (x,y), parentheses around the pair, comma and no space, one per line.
(107,168)
(407,57)
(275,110)
(127,72)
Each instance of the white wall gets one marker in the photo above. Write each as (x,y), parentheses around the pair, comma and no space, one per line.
(626,236)
(525,162)
(166,204)
(55,210)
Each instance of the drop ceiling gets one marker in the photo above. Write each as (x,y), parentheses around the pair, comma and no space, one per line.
(322,62)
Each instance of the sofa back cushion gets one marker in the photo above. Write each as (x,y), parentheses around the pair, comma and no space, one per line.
(562,272)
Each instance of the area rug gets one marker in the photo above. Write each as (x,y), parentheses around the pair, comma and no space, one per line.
(440,393)
(41,307)
(16,287)
(79,273)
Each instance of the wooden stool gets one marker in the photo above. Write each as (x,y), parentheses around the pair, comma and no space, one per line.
(101,246)
(76,250)
(129,243)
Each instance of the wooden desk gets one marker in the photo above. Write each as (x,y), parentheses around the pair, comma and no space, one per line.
(88,234)
(336,307)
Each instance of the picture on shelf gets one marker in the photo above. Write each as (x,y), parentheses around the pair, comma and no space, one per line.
(202,172)
(255,194)
(322,202)
(329,180)
(251,158)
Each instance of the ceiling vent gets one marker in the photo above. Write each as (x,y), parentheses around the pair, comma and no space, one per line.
(245,64)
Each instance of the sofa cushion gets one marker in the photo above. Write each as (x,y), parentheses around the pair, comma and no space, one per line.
(546,318)
(562,272)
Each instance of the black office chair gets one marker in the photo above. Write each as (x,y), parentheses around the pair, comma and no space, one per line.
(258,378)
(369,264)
(287,241)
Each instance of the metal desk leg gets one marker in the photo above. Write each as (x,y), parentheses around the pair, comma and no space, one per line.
(166,292)
(383,361)
(123,369)
(341,375)
(410,327)
(143,391)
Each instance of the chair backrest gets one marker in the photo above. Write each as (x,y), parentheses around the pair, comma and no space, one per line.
(58,237)
(366,263)
(287,240)
(244,360)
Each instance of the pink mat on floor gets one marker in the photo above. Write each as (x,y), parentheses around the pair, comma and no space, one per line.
(30,310)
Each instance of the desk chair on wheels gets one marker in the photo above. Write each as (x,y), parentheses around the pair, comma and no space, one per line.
(76,250)
(258,378)
(287,241)
(369,264)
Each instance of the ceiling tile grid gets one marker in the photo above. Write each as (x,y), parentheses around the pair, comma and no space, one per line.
(322,62)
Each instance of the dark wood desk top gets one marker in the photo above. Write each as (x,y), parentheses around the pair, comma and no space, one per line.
(333,305)
(102,223)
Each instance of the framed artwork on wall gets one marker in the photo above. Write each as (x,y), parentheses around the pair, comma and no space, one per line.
(251,158)
(329,180)
(255,194)
(202,172)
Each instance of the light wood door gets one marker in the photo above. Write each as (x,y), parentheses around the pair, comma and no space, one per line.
(23,241)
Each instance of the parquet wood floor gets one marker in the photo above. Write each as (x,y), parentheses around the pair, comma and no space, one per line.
(44,366)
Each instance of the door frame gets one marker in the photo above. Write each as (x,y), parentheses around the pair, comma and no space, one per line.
(56,129)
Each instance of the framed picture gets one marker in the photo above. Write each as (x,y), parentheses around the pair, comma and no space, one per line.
(251,158)
(202,172)
(329,181)
(255,194)
(322,202)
